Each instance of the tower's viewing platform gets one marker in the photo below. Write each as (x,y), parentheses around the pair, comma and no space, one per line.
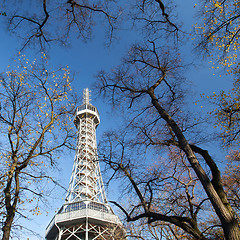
(78,212)
(85,109)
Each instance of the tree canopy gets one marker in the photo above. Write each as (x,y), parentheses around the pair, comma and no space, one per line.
(162,152)
(36,108)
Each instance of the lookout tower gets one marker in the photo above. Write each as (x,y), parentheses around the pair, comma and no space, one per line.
(85,215)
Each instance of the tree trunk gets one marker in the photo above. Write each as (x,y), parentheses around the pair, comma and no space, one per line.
(11,202)
(231,230)
(228,220)
(7,226)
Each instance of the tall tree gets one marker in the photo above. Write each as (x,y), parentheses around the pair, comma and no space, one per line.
(35,118)
(149,81)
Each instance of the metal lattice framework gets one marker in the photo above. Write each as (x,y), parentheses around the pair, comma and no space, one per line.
(86,180)
(85,213)
(93,231)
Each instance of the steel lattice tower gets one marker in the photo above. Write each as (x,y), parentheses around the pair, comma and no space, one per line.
(85,215)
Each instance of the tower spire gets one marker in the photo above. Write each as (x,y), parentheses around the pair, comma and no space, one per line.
(86,96)
(85,215)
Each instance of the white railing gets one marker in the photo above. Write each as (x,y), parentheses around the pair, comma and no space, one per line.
(87,213)
(88,107)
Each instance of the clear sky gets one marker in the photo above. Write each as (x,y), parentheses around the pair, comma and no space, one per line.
(85,59)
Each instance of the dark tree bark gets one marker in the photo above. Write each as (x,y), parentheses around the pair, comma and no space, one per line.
(148,72)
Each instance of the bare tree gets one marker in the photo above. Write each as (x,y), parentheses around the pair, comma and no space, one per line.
(51,21)
(154,17)
(35,117)
(150,81)
(166,186)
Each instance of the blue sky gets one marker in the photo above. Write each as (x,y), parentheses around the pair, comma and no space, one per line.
(85,59)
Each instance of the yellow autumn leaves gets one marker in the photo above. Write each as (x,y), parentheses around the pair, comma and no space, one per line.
(220,26)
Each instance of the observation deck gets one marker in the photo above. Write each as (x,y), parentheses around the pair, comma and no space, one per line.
(86,111)
(79,212)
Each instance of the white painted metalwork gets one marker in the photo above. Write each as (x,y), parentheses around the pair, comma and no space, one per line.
(85,213)
(90,213)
